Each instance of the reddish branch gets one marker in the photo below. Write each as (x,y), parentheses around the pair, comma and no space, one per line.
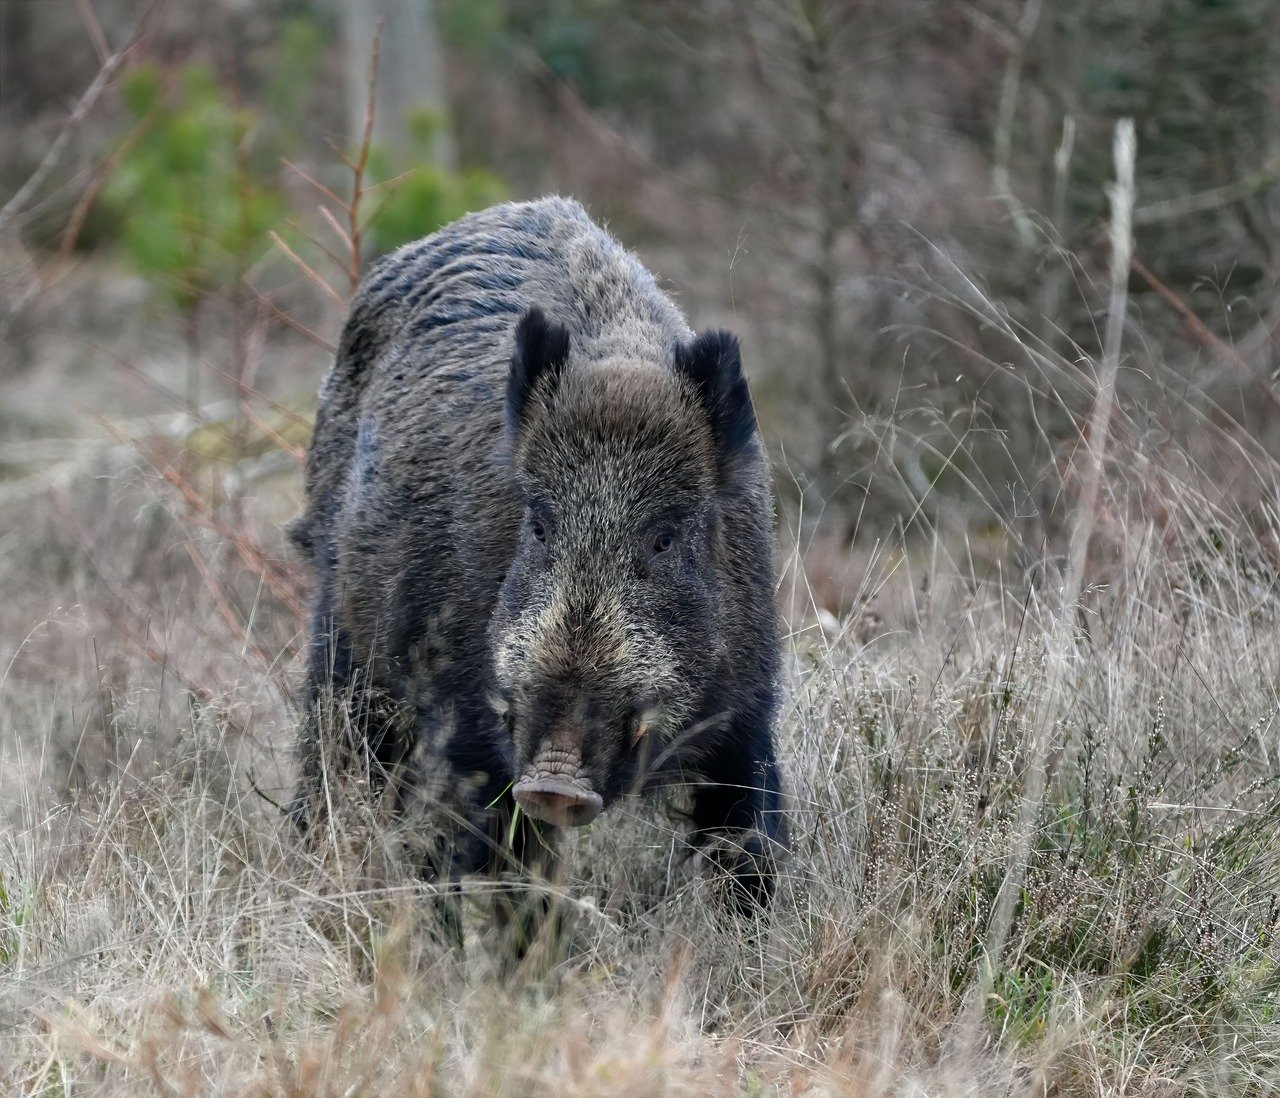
(1197,327)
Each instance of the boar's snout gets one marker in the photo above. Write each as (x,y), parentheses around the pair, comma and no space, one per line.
(558,802)
(555,786)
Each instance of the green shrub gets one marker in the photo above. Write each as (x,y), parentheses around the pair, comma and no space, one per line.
(427,196)
(193,209)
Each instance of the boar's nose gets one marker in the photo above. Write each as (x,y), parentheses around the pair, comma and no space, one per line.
(558,802)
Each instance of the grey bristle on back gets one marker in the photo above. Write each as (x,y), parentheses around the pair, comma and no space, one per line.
(468,285)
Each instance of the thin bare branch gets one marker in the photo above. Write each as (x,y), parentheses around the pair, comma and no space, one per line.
(84,106)
(1171,209)
(327,216)
(306,269)
(284,318)
(394,181)
(316,243)
(14,207)
(94,28)
(101,177)
(1001,177)
(313,181)
(1200,331)
(284,444)
(1121,195)
(355,231)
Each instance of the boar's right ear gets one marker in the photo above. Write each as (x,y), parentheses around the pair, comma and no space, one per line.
(542,347)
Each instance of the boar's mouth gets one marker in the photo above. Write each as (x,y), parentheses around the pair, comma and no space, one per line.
(558,802)
(554,790)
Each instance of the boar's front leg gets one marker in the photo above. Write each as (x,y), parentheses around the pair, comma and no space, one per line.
(524,861)
(738,816)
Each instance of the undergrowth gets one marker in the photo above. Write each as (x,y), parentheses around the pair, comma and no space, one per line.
(161,926)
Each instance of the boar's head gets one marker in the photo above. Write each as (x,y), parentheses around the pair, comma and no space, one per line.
(609,630)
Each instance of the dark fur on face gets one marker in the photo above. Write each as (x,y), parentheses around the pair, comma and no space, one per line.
(593,607)
(609,620)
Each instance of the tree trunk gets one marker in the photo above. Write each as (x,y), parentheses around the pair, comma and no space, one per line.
(410,73)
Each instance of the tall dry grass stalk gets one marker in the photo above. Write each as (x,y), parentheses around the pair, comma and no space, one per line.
(1063,631)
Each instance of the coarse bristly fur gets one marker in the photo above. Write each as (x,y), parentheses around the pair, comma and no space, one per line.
(542,528)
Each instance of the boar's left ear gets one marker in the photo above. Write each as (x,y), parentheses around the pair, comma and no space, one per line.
(713,362)
(542,348)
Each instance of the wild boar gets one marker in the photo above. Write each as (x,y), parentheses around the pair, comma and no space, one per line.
(541,523)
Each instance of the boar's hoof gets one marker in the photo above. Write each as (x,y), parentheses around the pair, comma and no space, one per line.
(558,802)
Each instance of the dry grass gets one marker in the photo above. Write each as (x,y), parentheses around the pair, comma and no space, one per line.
(161,929)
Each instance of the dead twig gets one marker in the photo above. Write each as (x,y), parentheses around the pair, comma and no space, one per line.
(99,179)
(284,318)
(122,600)
(344,219)
(307,178)
(283,409)
(83,107)
(282,443)
(1121,194)
(1007,110)
(94,29)
(222,604)
(1199,330)
(307,269)
(355,231)
(279,576)
(1171,209)
(338,230)
(1094,444)
(253,784)
(318,244)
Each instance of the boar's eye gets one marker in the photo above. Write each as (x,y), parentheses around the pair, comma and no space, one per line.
(662,543)
(539,531)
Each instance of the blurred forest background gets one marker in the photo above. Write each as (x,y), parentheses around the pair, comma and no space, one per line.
(876,194)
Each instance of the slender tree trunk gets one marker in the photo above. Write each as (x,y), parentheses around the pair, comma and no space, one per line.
(828,160)
(411,72)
